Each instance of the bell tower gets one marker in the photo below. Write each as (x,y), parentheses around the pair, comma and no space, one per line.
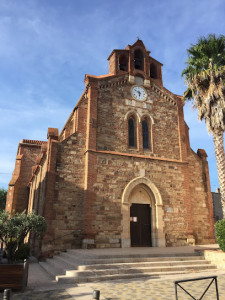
(136,60)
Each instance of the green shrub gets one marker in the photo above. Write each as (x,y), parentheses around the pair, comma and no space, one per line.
(220,234)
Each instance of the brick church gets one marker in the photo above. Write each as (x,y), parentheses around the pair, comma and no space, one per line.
(121,173)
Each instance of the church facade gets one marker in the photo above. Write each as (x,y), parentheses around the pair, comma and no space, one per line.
(121,173)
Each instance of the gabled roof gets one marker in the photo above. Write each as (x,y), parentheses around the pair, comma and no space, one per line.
(138,43)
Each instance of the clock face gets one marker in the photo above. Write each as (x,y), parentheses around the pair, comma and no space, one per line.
(139,93)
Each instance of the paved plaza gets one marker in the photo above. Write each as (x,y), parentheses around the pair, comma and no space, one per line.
(158,289)
(143,289)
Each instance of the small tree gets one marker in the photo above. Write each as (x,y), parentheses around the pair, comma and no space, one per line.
(220,234)
(3,194)
(14,229)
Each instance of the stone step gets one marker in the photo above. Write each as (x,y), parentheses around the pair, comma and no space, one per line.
(61,265)
(95,278)
(53,271)
(143,264)
(140,259)
(63,262)
(161,268)
(58,265)
(74,253)
(72,258)
(66,262)
(74,266)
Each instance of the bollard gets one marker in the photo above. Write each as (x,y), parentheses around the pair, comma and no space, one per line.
(96,295)
(7,294)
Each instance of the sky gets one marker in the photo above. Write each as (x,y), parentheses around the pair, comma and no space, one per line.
(47,47)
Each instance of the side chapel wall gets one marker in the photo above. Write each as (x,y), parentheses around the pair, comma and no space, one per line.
(69,206)
(17,197)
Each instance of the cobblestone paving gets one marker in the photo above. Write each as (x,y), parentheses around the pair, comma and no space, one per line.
(142,289)
(158,290)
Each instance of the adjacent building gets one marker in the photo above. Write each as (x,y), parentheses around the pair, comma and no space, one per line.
(217,205)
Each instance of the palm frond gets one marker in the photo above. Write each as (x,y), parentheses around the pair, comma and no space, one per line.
(188,94)
(205,78)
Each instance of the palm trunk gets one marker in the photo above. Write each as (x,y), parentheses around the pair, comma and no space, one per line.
(220,160)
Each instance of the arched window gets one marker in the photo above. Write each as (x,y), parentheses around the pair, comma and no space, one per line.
(153,71)
(123,62)
(138,60)
(145,134)
(131,131)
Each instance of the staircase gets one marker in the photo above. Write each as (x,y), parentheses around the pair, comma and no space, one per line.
(75,266)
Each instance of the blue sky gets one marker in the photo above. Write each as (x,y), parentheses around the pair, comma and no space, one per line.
(47,46)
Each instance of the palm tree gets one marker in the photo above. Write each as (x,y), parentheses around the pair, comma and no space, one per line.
(205,78)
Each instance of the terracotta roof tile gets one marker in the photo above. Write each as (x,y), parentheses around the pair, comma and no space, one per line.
(33,142)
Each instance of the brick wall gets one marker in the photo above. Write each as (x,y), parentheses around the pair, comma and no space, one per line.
(17,198)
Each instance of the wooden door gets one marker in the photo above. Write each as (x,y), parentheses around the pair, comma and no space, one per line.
(140,225)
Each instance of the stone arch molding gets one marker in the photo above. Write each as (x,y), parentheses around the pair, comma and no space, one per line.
(149,116)
(139,118)
(132,112)
(157,220)
(141,180)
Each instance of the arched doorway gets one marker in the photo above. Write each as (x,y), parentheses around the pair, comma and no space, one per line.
(142,214)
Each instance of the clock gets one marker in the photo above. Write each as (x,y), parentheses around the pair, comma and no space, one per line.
(138,93)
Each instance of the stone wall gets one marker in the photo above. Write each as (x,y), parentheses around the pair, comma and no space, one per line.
(116,165)
(202,211)
(217,257)
(37,195)
(114,172)
(69,212)
(69,185)
(38,187)
(114,102)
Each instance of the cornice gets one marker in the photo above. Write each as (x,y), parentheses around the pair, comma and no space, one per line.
(112,84)
(167,95)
